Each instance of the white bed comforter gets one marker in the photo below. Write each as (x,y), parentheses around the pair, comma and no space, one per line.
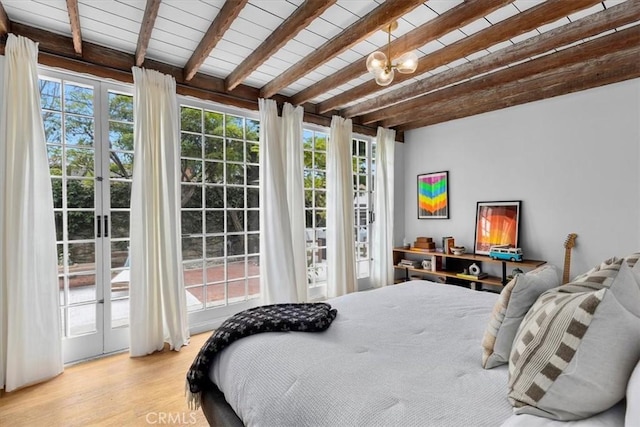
(404,355)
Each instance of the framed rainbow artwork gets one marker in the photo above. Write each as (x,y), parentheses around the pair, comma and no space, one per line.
(433,195)
(497,223)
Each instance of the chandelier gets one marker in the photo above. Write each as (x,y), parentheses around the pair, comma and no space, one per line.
(382,68)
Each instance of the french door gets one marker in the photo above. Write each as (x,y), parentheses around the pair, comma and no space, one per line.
(89,136)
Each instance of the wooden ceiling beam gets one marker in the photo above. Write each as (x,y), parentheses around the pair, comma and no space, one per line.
(296,22)
(589,50)
(588,26)
(146,28)
(229,12)
(530,19)
(5,23)
(74,21)
(378,18)
(611,68)
(454,18)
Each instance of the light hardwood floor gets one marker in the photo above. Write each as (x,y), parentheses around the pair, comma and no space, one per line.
(112,391)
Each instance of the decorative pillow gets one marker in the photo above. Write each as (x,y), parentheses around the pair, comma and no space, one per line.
(515,300)
(632,417)
(577,346)
(632,262)
(603,264)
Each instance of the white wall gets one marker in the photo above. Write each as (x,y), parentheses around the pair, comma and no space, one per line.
(573,160)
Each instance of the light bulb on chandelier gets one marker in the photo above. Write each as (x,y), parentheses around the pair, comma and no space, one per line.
(382,68)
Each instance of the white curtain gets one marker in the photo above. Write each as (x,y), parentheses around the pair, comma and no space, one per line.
(341,274)
(382,233)
(158,311)
(292,138)
(30,337)
(282,242)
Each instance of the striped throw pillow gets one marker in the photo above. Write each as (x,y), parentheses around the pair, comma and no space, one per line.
(577,346)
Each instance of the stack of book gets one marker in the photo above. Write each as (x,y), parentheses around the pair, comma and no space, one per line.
(409,263)
(473,276)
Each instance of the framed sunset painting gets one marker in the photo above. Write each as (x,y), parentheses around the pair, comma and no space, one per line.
(433,195)
(497,223)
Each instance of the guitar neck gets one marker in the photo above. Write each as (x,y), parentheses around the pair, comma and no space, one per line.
(567,265)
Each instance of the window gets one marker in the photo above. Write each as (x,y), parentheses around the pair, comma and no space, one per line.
(220,207)
(315,188)
(89,138)
(363,164)
(315,209)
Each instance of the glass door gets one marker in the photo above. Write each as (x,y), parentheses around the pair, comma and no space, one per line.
(82,157)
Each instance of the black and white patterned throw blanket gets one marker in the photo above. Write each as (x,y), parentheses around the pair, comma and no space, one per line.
(302,317)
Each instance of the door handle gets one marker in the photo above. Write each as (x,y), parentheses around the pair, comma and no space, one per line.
(99,228)
(106,226)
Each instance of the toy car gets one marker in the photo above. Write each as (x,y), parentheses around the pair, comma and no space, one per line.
(505,252)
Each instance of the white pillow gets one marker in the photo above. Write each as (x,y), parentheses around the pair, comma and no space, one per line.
(515,300)
(632,418)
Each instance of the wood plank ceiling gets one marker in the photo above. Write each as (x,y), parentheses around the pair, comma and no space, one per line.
(474,56)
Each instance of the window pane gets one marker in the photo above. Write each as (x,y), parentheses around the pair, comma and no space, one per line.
(191,170)
(191,248)
(80,193)
(235,268)
(214,148)
(235,221)
(78,130)
(253,243)
(120,194)
(235,150)
(190,119)
(235,197)
(82,256)
(80,225)
(235,174)
(191,222)
(58,220)
(56,185)
(253,197)
(78,99)
(234,126)
(253,220)
(191,196)
(54,153)
(50,95)
(120,224)
(191,145)
(120,165)
(253,130)
(213,123)
(214,197)
(321,218)
(253,175)
(235,245)
(253,153)
(120,107)
(79,162)
(215,221)
(215,246)
(52,127)
(214,173)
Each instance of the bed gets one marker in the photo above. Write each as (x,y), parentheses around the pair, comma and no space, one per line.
(402,355)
